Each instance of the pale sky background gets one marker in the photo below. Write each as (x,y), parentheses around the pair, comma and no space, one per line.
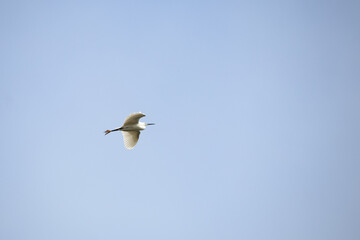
(257,112)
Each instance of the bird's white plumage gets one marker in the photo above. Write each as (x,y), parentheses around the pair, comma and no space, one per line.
(131,129)
(133,118)
(130,138)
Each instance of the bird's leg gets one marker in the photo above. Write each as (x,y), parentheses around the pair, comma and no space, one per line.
(109,131)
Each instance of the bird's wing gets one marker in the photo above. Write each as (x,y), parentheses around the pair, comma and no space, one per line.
(133,118)
(130,138)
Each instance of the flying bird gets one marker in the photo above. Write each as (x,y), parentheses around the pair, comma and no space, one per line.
(131,129)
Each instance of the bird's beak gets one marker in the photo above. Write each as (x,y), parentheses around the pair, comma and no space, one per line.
(150,124)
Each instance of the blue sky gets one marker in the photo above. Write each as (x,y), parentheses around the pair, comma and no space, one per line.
(256,105)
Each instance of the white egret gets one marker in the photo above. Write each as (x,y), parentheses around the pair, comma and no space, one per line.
(131,129)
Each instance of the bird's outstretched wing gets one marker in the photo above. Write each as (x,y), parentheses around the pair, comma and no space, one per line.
(133,118)
(130,138)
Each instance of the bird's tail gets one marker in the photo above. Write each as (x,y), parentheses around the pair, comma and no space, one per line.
(107,132)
